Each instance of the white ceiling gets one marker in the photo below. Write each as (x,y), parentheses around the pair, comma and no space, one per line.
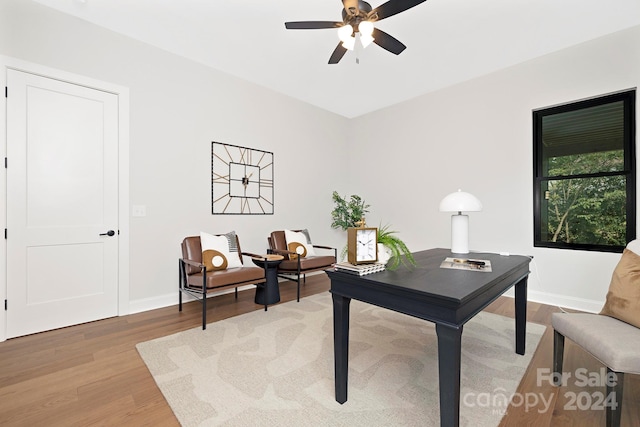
(448,41)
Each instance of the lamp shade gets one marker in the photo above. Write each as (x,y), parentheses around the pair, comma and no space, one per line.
(345,32)
(366,40)
(350,43)
(460,201)
(365,28)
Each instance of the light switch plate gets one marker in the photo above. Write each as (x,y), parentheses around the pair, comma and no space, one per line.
(139,210)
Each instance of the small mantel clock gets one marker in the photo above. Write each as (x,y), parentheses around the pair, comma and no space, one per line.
(241,180)
(362,245)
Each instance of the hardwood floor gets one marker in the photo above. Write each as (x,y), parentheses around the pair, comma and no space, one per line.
(91,374)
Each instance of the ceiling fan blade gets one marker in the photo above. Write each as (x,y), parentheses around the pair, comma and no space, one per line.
(337,54)
(387,42)
(311,25)
(393,7)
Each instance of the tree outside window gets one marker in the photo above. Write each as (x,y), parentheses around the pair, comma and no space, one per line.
(584,174)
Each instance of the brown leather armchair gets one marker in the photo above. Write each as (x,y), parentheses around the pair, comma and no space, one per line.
(195,280)
(293,266)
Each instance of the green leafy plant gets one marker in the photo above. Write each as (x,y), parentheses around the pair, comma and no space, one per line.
(347,213)
(399,250)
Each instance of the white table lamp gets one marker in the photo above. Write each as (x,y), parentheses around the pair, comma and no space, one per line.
(460,202)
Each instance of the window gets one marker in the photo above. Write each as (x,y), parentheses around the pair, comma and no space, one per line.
(584,174)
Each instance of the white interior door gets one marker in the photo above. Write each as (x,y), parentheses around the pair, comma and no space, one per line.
(62,197)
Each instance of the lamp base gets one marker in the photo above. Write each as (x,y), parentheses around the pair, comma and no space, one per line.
(460,234)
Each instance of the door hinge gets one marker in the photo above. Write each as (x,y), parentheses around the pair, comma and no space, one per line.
(5,305)
(6,91)
(6,162)
(5,234)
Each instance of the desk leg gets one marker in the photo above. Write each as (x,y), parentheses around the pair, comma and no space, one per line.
(521,315)
(449,349)
(341,345)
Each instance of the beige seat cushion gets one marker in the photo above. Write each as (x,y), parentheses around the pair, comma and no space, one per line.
(623,298)
(616,344)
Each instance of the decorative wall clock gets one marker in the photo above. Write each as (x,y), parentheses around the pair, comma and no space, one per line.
(241,180)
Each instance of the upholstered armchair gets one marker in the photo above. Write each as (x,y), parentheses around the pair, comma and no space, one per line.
(300,255)
(612,336)
(211,263)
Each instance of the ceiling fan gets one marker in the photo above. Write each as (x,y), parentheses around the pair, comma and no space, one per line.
(358,17)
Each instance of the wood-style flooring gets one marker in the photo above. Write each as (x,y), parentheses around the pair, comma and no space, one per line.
(91,374)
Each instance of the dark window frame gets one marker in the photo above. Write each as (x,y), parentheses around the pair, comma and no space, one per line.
(629,100)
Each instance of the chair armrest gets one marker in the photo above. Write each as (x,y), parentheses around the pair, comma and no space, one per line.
(282,252)
(192,263)
(335,250)
(252,255)
(322,247)
(183,273)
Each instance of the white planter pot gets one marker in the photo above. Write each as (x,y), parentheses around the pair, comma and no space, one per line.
(384,253)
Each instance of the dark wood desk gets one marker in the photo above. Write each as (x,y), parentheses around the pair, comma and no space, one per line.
(449,298)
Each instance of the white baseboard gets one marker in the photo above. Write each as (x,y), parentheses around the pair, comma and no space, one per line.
(161,301)
(589,306)
(146,304)
(167,300)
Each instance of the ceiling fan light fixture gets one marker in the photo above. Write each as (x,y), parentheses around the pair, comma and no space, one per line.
(366,40)
(345,32)
(350,43)
(365,28)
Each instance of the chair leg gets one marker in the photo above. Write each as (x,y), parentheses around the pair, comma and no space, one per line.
(180,269)
(204,311)
(558,355)
(613,399)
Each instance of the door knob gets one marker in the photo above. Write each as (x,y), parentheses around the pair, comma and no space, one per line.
(108,233)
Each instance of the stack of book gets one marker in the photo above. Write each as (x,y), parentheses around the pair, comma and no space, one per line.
(359,270)
(467,264)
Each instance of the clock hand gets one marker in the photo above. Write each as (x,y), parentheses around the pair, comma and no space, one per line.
(245,180)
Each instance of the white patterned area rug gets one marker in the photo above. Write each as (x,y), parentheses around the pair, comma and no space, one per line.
(275,368)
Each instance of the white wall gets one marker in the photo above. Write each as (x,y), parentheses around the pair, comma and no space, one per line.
(177,107)
(477,136)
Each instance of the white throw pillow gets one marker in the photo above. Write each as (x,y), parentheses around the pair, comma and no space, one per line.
(220,252)
(299,242)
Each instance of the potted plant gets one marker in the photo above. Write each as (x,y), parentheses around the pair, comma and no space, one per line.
(348,214)
(391,246)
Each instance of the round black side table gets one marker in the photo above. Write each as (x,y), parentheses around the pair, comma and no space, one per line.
(270,292)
